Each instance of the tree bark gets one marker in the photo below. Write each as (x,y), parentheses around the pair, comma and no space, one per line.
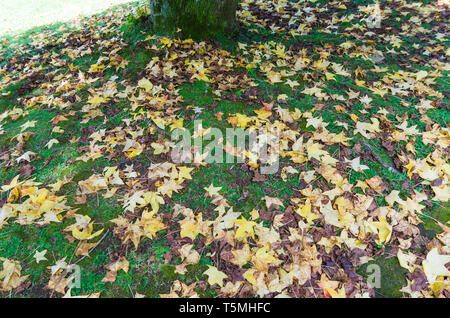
(197,19)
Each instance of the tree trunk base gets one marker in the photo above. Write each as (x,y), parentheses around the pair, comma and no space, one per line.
(197,19)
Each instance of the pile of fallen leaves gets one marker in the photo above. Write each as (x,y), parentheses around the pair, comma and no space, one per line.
(307,246)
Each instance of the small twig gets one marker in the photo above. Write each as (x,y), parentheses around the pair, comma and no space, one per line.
(103,237)
(428,216)
(381,161)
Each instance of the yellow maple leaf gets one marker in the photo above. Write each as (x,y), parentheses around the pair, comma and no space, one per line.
(82,230)
(434,265)
(151,223)
(305,211)
(10,275)
(245,229)
(315,151)
(185,173)
(442,193)
(212,190)
(154,199)
(189,228)
(263,258)
(96,100)
(215,276)
(406,260)
(201,76)
(248,275)
(242,256)
(145,84)
(339,294)
(383,229)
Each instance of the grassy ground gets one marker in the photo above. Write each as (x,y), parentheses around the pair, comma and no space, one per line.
(21,15)
(36,98)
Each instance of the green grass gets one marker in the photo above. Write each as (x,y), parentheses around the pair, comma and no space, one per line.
(150,273)
(22,15)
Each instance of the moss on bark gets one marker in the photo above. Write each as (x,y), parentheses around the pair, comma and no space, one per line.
(197,19)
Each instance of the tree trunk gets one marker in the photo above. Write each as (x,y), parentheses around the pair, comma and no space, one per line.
(197,19)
